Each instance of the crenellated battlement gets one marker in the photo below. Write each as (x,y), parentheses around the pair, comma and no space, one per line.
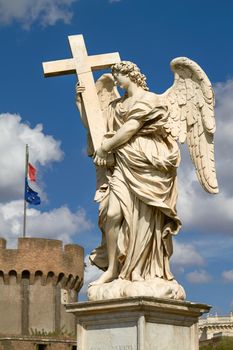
(43,261)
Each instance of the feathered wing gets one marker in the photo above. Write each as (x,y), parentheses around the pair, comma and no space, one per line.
(106,91)
(191,117)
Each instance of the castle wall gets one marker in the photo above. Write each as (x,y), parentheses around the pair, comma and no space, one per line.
(35,343)
(41,309)
(39,254)
(68,322)
(10,306)
(32,278)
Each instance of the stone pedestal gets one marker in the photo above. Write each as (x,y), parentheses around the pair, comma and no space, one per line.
(137,323)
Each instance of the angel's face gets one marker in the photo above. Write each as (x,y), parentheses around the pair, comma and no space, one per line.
(122,80)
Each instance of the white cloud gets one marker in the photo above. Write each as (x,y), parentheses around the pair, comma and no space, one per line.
(216,246)
(15,134)
(224,139)
(199,277)
(198,209)
(228,276)
(46,12)
(185,255)
(58,223)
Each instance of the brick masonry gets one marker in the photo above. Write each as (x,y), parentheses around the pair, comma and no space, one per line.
(31,280)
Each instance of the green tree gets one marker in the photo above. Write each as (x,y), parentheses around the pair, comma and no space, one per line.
(225,343)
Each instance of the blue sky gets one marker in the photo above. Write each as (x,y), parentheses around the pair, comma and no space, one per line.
(42,112)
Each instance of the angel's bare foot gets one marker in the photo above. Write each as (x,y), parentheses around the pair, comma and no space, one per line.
(136,276)
(107,276)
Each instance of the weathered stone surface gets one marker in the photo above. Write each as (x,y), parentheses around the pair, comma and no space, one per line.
(213,326)
(32,343)
(42,255)
(31,280)
(137,324)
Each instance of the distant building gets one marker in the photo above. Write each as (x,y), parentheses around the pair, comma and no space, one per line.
(215,326)
(36,279)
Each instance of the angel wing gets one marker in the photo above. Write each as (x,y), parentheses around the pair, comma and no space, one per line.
(106,90)
(191,102)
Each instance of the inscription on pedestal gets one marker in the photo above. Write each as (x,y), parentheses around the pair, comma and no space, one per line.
(111,336)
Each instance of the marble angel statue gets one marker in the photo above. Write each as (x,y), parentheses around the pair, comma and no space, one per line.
(137,174)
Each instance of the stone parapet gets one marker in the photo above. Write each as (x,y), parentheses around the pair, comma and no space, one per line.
(33,279)
(33,342)
(45,259)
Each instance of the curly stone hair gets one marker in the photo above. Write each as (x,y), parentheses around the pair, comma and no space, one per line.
(132,71)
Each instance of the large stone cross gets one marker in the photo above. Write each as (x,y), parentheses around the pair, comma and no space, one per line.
(83,65)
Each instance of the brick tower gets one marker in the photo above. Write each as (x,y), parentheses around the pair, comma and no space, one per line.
(33,280)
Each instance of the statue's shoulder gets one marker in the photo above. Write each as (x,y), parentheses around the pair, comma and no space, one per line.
(151,97)
(157,99)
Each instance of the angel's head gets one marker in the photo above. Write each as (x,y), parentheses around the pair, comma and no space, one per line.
(125,72)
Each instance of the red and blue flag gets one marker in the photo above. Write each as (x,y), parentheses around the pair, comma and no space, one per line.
(31,196)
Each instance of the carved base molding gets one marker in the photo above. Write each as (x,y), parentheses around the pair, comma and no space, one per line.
(137,323)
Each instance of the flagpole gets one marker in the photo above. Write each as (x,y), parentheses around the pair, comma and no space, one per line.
(25,203)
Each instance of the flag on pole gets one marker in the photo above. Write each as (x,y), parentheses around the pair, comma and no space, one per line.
(31,196)
(32,172)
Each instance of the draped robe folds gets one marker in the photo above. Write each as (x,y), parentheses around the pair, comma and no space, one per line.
(144,181)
